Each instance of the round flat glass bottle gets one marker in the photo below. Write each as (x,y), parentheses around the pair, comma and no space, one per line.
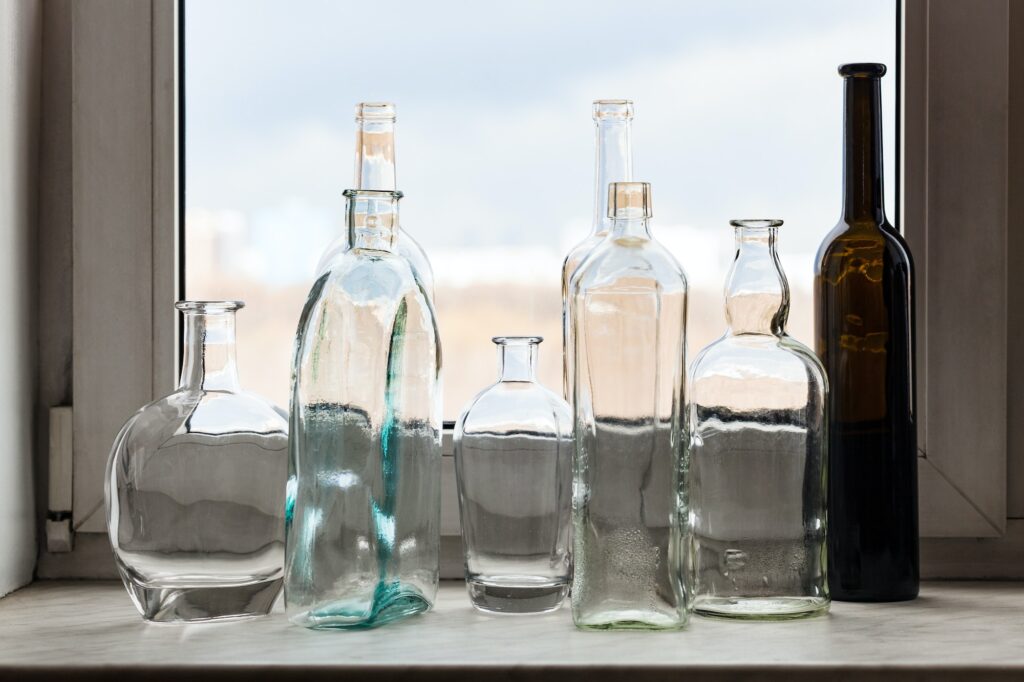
(513,459)
(758,469)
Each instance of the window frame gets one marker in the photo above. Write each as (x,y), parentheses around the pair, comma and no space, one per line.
(128,238)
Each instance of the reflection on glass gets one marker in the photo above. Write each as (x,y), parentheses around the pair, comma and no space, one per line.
(195,487)
(758,450)
(364,486)
(513,458)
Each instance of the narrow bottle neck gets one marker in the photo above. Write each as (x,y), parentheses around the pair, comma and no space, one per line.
(518,361)
(209,353)
(862,152)
(630,228)
(375,155)
(614,164)
(372,221)
(756,290)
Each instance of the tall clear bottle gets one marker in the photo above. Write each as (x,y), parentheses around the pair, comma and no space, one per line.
(613,119)
(864,334)
(627,308)
(375,169)
(363,513)
(758,445)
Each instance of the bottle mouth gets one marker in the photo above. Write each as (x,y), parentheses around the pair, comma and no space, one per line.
(613,109)
(517,340)
(373,193)
(756,223)
(862,70)
(375,111)
(209,307)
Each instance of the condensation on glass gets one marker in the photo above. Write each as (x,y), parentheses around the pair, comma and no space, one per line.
(513,460)
(195,487)
(363,518)
(613,120)
(758,450)
(375,169)
(627,309)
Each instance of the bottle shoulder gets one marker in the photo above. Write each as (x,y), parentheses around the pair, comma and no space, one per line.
(757,357)
(630,262)
(846,242)
(514,406)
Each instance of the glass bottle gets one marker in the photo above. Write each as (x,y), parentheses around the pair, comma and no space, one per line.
(375,169)
(758,447)
(513,460)
(195,487)
(864,335)
(613,119)
(630,518)
(363,518)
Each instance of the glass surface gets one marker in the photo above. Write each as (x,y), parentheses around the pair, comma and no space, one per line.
(627,308)
(758,450)
(364,501)
(865,337)
(195,487)
(496,104)
(513,459)
(375,169)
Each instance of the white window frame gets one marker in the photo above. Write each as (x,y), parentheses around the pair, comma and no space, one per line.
(955,147)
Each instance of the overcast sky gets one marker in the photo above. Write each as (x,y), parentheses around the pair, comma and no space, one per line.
(738,114)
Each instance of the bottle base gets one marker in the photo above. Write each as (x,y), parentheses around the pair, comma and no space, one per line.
(761,608)
(190,604)
(879,598)
(390,602)
(504,598)
(629,621)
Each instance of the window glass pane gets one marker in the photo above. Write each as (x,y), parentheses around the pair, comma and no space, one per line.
(738,114)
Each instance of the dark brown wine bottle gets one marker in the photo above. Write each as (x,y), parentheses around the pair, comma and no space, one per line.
(864,334)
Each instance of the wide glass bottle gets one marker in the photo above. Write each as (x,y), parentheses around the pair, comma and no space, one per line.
(375,169)
(631,542)
(364,494)
(864,335)
(613,119)
(513,460)
(195,486)
(758,444)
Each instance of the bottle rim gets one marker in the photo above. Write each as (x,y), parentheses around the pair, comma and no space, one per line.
(373,193)
(756,223)
(516,340)
(209,306)
(862,70)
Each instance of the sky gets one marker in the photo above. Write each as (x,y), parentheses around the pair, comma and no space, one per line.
(738,114)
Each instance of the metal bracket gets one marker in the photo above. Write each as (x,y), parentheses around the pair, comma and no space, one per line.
(60,536)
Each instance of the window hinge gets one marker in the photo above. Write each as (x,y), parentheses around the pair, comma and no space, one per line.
(60,536)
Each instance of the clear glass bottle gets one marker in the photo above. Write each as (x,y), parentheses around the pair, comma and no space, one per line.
(375,169)
(630,518)
(195,487)
(613,119)
(758,447)
(864,334)
(364,500)
(513,460)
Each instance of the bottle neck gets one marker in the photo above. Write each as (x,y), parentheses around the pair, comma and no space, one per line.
(756,290)
(614,164)
(375,154)
(862,152)
(518,360)
(372,219)
(209,354)
(630,227)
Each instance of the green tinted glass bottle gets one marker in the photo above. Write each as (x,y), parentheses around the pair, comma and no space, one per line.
(864,333)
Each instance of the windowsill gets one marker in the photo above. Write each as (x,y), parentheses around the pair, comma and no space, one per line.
(961,630)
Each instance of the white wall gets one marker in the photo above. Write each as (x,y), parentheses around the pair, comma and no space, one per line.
(20,57)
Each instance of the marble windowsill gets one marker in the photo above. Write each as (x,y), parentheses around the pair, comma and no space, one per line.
(89,630)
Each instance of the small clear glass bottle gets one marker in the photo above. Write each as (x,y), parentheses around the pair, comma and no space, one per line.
(758,466)
(195,487)
(364,498)
(631,540)
(613,119)
(375,169)
(513,460)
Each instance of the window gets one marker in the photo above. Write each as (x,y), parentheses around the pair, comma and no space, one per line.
(738,114)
